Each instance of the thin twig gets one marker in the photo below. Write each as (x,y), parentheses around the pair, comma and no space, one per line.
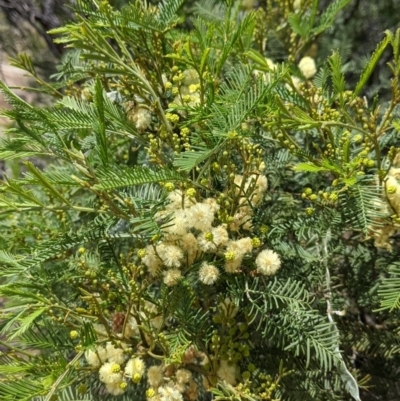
(349,380)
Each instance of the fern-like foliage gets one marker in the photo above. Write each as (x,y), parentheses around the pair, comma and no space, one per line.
(364,206)
(328,16)
(125,177)
(389,289)
(366,73)
(287,306)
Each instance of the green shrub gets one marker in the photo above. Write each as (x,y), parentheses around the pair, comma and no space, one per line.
(194,220)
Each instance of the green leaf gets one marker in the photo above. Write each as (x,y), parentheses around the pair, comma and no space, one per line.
(326,165)
(299,24)
(42,179)
(396,124)
(24,62)
(88,334)
(12,290)
(204,60)
(389,289)
(14,187)
(126,177)
(328,17)
(338,82)
(27,321)
(350,181)
(21,390)
(234,37)
(331,166)
(395,41)
(12,369)
(362,205)
(309,167)
(100,130)
(369,68)
(71,393)
(258,59)
(168,11)
(7,259)
(186,161)
(11,155)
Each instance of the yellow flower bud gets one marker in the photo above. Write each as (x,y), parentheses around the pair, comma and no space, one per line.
(73,334)
(333,197)
(194,88)
(191,192)
(115,368)
(310,211)
(141,253)
(172,117)
(169,186)
(209,236)
(229,256)
(136,378)
(215,166)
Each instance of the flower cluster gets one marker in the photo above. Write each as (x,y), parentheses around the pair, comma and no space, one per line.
(165,382)
(187,88)
(112,376)
(192,233)
(110,361)
(109,353)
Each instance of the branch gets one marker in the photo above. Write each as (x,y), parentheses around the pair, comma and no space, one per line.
(348,379)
